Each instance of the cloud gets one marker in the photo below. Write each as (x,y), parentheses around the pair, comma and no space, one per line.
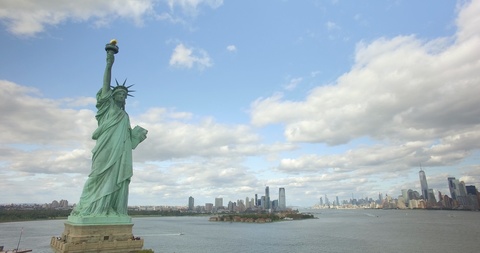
(45,139)
(29,17)
(191,6)
(293,83)
(203,178)
(332,26)
(402,88)
(383,158)
(38,133)
(415,100)
(173,138)
(184,57)
(231,48)
(34,120)
(467,19)
(406,100)
(45,128)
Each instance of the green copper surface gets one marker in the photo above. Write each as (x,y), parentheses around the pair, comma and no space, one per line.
(104,197)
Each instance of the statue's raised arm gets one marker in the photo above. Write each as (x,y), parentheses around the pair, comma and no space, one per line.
(111,49)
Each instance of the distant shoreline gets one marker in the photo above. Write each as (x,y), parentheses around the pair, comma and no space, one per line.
(34,215)
(14,215)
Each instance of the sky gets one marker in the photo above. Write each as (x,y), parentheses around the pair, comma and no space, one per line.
(336,98)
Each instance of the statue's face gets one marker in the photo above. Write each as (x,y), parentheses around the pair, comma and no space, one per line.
(120,96)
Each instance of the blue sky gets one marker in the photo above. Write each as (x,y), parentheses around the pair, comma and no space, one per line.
(318,97)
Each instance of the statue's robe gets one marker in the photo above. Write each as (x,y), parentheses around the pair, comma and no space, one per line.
(106,189)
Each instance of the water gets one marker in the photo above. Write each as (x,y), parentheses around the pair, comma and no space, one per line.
(334,231)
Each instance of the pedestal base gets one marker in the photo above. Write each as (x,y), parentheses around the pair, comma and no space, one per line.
(109,238)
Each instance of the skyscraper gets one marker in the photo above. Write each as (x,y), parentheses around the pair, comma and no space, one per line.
(471,190)
(190,203)
(267,198)
(281,199)
(218,203)
(458,191)
(453,187)
(423,184)
(405,196)
(431,196)
(274,204)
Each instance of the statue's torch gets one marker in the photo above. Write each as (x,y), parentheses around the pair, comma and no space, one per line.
(112,46)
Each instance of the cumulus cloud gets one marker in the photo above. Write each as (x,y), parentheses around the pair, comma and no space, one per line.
(34,120)
(414,99)
(401,88)
(207,178)
(39,133)
(418,97)
(231,48)
(293,83)
(28,17)
(186,57)
(191,6)
(45,138)
(332,26)
(381,158)
(173,138)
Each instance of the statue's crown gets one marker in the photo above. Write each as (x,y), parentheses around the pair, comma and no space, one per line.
(122,87)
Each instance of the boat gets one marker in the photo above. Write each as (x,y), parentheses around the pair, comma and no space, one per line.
(17,250)
(14,250)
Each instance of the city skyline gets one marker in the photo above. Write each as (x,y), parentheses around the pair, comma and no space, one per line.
(319,97)
(464,197)
(456,188)
(263,202)
(451,183)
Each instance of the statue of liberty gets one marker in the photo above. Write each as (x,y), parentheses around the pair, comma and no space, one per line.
(105,193)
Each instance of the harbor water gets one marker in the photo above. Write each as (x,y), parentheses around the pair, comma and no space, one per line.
(333,231)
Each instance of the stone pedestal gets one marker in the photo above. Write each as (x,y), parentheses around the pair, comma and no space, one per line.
(109,238)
